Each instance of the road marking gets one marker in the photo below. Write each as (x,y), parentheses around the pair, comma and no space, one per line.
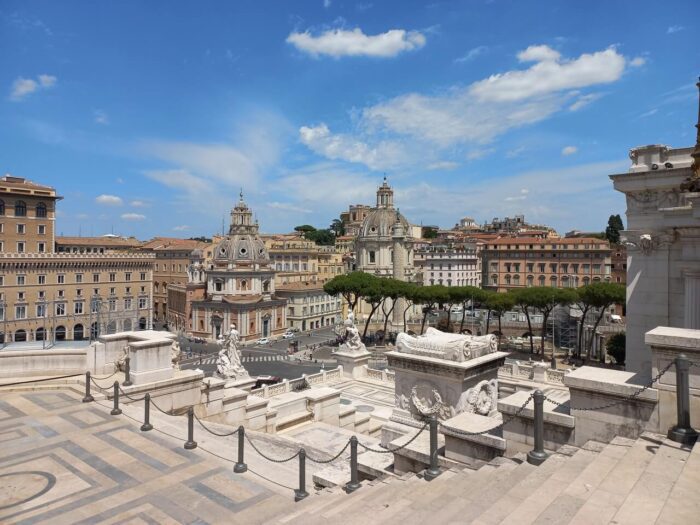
(211,360)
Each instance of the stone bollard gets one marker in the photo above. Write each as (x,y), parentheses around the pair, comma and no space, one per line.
(433,471)
(354,483)
(146,413)
(301,493)
(682,432)
(116,410)
(537,455)
(190,443)
(240,465)
(88,396)
(127,371)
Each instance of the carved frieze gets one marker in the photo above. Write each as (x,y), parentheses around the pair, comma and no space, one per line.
(646,242)
(647,200)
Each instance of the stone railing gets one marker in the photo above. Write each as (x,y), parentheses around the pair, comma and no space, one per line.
(555,376)
(293,385)
(379,375)
(519,371)
(375,374)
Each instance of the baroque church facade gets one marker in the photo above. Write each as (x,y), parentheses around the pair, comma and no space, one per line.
(237,286)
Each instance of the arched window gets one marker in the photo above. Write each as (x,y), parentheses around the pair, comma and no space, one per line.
(266,286)
(244,284)
(41,210)
(218,285)
(20,209)
(507,279)
(60,333)
(2,207)
(541,280)
(516,280)
(553,281)
(530,280)
(78,332)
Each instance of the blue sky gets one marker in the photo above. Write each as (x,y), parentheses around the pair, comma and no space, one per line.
(148,117)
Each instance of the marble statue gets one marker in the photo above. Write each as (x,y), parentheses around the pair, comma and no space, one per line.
(353,342)
(175,354)
(443,345)
(228,363)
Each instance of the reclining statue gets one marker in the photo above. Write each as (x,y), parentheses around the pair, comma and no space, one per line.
(443,345)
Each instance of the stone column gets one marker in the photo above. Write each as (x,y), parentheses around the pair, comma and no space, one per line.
(692,299)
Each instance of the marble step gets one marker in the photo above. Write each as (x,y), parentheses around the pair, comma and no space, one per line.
(648,496)
(683,504)
(599,504)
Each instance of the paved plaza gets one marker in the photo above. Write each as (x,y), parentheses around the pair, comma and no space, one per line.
(62,461)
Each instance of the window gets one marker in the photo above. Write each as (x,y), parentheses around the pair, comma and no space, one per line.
(372,257)
(78,277)
(41,310)
(41,210)
(95,277)
(21,228)
(41,247)
(142,303)
(42,294)
(128,289)
(143,289)
(143,276)
(112,277)
(127,304)
(20,209)
(20,296)
(20,247)
(42,279)
(61,293)
(21,280)
(2,207)
(95,306)
(60,309)
(61,279)
(41,229)
(20,312)
(127,276)
(78,308)
(112,305)
(79,292)
(112,291)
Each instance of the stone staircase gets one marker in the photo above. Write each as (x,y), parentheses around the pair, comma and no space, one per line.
(648,480)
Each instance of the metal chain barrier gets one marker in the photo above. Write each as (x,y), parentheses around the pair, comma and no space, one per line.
(331,460)
(505,420)
(160,409)
(396,449)
(213,432)
(107,377)
(40,380)
(273,460)
(619,402)
(100,388)
(136,399)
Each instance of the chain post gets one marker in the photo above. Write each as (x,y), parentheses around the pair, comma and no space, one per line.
(190,443)
(682,432)
(88,396)
(127,371)
(146,413)
(301,493)
(537,455)
(434,471)
(354,482)
(240,465)
(116,410)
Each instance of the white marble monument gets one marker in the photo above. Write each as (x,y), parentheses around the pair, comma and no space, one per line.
(352,354)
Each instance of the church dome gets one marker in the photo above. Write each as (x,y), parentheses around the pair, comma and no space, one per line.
(380,221)
(242,244)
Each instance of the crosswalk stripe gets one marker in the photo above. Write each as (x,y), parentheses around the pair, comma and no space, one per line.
(210,360)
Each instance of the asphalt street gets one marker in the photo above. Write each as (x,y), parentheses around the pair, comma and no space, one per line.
(271,359)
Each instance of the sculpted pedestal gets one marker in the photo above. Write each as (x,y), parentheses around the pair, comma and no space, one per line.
(352,362)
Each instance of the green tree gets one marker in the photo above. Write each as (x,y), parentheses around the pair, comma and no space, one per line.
(430,297)
(391,289)
(524,299)
(304,228)
(466,296)
(429,233)
(337,227)
(616,347)
(408,293)
(606,295)
(350,285)
(589,298)
(321,237)
(499,304)
(612,232)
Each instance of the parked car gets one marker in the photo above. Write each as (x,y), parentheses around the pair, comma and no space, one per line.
(266,380)
(288,335)
(263,341)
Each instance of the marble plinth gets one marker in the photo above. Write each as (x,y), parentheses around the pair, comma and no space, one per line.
(352,362)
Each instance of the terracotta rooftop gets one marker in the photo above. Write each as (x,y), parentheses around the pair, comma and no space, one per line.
(21,185)
(122,242)
(173,243)
(538,240)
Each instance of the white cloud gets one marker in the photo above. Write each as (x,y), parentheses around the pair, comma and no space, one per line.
(442,165)
(288,207)
(109,200)
(477,154)
(470,116)
(539,54)
(319,139)
(342,42)
(181,228)
(583,100)
(101,117)
(550,74)
(22,87)
(649,113)
(471,54)
(569,150)
(326,3)
(133,216)
(638,61)
(674,29)
(515,152)
(138,204)
(47,81)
